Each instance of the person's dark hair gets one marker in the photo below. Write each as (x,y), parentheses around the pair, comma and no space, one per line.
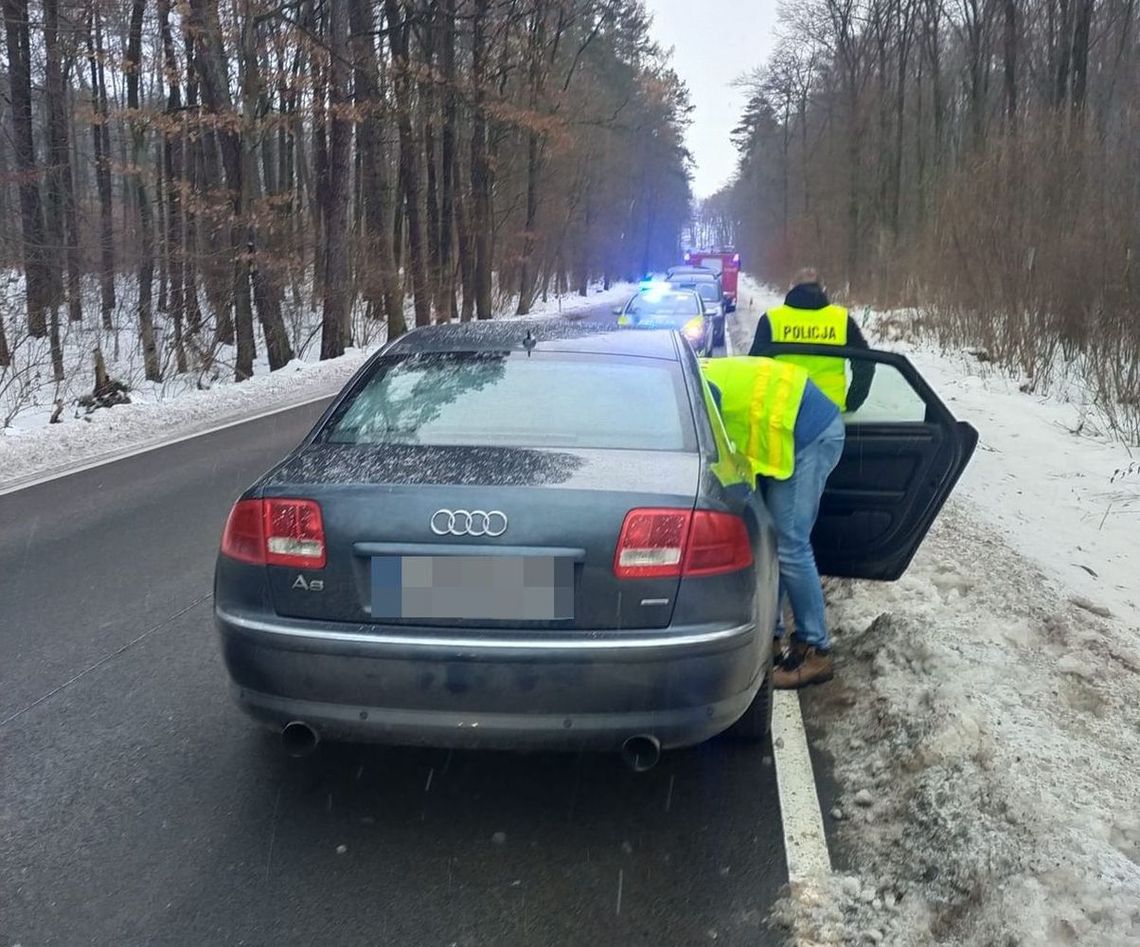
(807,274)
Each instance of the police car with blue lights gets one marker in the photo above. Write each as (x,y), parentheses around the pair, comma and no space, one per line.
(661,305)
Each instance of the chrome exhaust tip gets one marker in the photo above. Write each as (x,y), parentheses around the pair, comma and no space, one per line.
(641,752)
(299,739)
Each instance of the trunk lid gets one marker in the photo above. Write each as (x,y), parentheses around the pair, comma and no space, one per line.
(566,505)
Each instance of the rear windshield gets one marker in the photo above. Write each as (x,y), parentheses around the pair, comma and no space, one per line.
(707,290)
(515,400)
(665,308)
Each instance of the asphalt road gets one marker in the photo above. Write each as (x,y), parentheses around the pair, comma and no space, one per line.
(138,805)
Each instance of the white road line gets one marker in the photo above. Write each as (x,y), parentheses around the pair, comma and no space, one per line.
(805,844)
(112,457)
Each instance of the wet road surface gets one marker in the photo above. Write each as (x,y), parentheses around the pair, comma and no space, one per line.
(138,805)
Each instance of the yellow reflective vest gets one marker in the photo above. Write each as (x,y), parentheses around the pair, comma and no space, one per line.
(760,400)
(827,326)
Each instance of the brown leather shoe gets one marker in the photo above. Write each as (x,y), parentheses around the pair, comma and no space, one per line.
(789,651)
(814,668)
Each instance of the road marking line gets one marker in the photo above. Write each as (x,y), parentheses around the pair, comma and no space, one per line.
(162,625)
(102,460)
(805,844)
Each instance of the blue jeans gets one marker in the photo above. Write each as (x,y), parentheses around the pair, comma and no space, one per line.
(794,505)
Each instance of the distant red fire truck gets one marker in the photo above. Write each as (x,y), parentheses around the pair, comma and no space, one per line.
(726,262)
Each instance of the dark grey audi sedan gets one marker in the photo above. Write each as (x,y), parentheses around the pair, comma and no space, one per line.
(517,535)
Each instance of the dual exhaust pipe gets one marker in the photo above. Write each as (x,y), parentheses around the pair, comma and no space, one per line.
(299,739)
(640,753)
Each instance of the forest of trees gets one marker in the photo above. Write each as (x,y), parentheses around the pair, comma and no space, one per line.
(229,160)
(977,159)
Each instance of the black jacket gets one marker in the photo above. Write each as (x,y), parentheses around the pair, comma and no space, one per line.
(812,296)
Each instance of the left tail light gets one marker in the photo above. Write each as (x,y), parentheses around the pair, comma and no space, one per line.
(279,531)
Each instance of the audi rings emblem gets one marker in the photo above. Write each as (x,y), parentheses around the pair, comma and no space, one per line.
(468,523)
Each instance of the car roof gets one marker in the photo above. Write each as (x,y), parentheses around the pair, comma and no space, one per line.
(541,335)
(687,282)
(694,271)
(660,292)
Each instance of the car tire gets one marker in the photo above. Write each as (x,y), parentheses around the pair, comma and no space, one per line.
(756,723)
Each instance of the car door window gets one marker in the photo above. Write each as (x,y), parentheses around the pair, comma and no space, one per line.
(890,398)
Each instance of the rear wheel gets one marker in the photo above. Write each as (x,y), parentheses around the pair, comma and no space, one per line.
(756,723)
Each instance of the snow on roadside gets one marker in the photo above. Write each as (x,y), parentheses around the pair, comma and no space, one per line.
(46,449)
(574,302)
(985,718)
(1054,488)
(160,412)
(985,733)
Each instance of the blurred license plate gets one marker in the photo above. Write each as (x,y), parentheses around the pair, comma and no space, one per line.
(495,588)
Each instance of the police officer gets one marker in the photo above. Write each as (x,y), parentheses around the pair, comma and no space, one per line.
(792,435)
(808,317)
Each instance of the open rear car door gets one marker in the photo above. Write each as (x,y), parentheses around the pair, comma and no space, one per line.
(904,453)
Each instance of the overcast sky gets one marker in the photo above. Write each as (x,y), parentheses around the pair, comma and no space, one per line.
(713,42)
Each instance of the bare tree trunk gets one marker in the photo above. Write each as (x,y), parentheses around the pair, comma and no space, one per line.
(537,43)
(480,167)
(319,192)
(151,363)
(1063,51)
(1010,70)
(334,326)
(53,183)
(380,276)
(213,76)
(24,150)
(265,283)
(409,163)
(60,181)
(191,158)
(1082,29)
(448,169)
(906,16)
(466,255)
(160,193)
(173,159)
(427,99)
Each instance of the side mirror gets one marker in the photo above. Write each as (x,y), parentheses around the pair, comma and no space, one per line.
(617,310)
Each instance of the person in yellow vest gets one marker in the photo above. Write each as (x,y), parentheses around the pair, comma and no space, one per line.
(792,435)
(808,317)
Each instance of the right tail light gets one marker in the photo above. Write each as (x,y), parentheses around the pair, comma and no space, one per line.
(670,543)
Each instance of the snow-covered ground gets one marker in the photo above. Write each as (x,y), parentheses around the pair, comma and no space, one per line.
(985,720)
(181,405)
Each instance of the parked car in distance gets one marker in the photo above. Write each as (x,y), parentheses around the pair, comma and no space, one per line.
(713,299)
(662,306)
(725,262)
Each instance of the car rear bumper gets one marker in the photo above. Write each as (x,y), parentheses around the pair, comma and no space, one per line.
(522,691)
